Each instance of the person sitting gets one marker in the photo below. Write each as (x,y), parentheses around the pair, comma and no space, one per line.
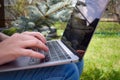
(17,45)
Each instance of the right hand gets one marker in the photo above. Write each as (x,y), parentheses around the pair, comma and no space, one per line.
(17,45)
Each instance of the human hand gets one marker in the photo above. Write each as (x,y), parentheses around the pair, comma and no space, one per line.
(36,35)
(17,45)
(81,53)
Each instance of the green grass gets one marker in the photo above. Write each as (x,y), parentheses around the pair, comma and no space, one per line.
(108,27)
(102,59)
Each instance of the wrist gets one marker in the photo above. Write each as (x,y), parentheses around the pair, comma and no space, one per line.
(3,37)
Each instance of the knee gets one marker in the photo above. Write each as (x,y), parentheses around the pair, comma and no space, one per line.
(80,66)
(61,72)
(66,72)
(72,72)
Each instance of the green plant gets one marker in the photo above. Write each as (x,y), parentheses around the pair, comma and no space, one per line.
(44,13)
(16,8)
(10,31)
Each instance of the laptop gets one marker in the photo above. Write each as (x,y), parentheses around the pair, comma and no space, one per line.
(74,41)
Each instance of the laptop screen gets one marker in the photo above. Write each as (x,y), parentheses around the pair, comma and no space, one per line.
(82,24)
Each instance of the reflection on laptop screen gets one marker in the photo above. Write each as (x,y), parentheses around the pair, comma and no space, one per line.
(82,24)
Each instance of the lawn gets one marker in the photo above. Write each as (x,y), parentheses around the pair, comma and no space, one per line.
(102,59)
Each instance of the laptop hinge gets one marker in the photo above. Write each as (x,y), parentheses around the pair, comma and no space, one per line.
(78,53)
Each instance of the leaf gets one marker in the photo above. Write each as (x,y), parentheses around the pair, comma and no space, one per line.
(33,11)
(10,31)
(51,2)
(42,7)
(56,7)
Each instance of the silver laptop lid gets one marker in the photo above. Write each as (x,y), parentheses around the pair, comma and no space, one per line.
(82,24)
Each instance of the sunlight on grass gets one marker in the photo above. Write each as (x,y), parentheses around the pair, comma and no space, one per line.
(110,27)
(102,59)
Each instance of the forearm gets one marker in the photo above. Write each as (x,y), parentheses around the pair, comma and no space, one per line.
(5,54)
(3,37)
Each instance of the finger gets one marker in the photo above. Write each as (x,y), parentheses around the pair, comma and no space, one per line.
(31,53)
(36,44)
(37,35)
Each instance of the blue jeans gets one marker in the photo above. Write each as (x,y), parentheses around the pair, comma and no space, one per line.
(70,71)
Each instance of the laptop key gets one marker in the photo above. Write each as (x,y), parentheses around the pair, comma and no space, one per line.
(62,53)
(34,61)
(56,52)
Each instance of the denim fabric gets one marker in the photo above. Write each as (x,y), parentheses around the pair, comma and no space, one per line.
(70,71)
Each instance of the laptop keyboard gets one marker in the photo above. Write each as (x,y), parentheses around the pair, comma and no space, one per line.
(56,53)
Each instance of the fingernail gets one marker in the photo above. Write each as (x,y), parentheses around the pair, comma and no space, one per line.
(43,56)
(47,49)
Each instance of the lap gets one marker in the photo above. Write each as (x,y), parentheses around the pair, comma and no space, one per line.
(62,72)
